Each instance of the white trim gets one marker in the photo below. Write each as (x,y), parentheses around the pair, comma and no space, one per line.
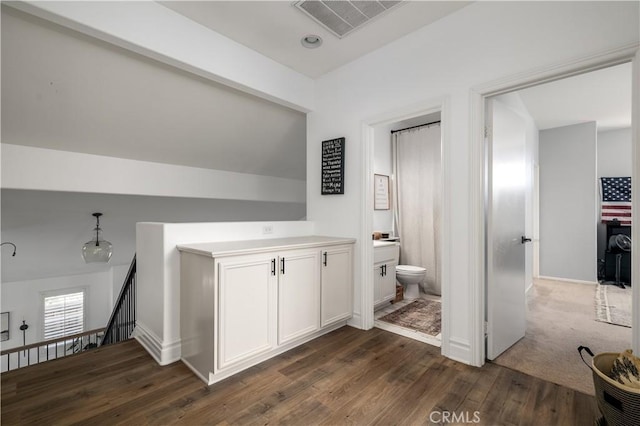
(366,307)
(567,280)
(355,321)
(478,94)
(422,108)
(406,332)
(459,350)
(236,368)
(163,353)
(635,195)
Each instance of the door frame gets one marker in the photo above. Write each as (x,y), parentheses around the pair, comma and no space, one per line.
(368,132)
(478,94)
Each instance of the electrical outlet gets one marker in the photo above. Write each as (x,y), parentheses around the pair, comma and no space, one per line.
(267,229)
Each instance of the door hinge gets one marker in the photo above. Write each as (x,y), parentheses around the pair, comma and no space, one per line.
(486,329)
(487,131)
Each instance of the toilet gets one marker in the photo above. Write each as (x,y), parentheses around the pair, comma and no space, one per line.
(410,277)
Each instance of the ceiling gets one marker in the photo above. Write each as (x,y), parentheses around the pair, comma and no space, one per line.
(275,28)
(603,96)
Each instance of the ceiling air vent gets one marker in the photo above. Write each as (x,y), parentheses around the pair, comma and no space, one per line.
(341,17)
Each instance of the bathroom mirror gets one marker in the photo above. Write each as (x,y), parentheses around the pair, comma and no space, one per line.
(4,326)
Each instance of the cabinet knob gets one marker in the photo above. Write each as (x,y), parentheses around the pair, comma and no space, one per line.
(282,266)
(325,258)
(273,266)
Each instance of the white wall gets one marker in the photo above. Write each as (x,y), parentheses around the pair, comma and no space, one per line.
(158,321)
(150,29)
(382,165)
(614,159)
(23,299)
(568,202)
(31,168)
(479,44)
(50,227)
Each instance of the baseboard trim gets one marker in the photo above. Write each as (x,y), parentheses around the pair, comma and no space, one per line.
(221,375)
(529,288)
(459,350)
(355,321)
(567,280)
(163,353)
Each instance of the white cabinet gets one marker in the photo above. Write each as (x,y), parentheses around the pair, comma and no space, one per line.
(384,273)
(244,302)
(298,294)
(246,308)
(337,290)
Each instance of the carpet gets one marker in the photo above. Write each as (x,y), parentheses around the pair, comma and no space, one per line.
(422,315)
(613,304)
(560,318)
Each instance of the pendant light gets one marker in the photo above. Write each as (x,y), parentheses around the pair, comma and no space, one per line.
(98,249)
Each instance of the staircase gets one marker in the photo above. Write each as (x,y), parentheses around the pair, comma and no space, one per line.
(120,327)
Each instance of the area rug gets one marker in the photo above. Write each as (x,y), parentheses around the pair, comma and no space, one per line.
(422,315)
(613,304)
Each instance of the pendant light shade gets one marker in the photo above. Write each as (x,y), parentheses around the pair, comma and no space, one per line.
(98,249)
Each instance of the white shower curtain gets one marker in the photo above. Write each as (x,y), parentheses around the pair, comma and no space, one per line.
(418,200)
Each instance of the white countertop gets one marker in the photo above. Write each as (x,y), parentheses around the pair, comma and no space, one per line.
(383,243)
(231,248)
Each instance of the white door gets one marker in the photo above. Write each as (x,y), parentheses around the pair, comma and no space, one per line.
(506,185)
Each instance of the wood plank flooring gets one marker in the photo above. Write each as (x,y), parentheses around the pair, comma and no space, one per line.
(348,377)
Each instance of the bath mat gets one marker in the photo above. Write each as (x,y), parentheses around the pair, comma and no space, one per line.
(613,304)
(422,315)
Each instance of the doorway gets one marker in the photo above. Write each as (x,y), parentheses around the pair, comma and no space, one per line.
(562,160)
(381,223)
(406,227)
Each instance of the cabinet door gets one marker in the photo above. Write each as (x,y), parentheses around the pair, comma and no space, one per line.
(388,283)
(247,307)
(336,285)
(384,281)
(298,294)
(378,278)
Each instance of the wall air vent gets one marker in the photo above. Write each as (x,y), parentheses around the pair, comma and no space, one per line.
(340,17)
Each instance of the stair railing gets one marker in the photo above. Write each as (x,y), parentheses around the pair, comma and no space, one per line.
(35,353)
(123,318)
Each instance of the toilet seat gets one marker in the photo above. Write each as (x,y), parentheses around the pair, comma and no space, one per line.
(410,269)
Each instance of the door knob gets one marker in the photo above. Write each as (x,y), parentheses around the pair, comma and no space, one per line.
(524,239)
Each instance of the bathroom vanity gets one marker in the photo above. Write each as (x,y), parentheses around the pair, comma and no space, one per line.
(385,260)
(242,302)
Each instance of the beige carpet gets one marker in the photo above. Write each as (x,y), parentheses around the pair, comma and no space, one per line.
(422,315)
(560,317)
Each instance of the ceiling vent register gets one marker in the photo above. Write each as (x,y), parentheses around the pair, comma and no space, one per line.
(341,17)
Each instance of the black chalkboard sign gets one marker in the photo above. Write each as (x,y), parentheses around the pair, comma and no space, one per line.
(333,166)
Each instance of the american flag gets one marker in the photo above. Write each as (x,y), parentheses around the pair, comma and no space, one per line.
(616,199)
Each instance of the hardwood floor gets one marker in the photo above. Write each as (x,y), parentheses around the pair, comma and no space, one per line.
(349,376)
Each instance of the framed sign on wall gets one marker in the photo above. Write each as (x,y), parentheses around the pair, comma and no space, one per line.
(381,192)
(332,166)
